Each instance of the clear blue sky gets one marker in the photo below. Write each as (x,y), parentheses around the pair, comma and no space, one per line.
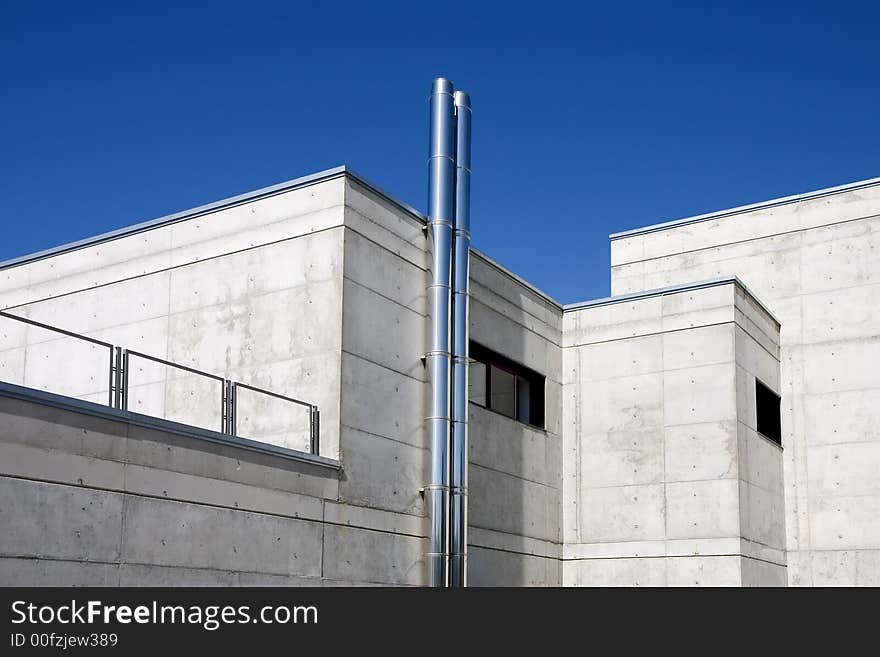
(588,118)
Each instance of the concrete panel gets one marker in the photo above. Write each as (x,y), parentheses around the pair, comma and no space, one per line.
(165,451)
(842,417)
(708,345)
(761,515)
(511,447)
(844,470)
(374,266)
(273,212)
(833,568)
(371,556)
(38,426)
(630,513)
(702,509)
(616,321)
(546,323)
(521,301)
(754,359)
(12,362)
(168,533)
(762,221)
(218,338)
(615,572)
(695,452)
(148,336)
(68,366)
(314,379)
(699,394)
(148,575)
(381,401)
(621,458)
(368,518)
(842,263)
(763,461)
(381,473)
(633,357)
(502,568)
(505,503)
(509,338)
(197,238)
(368,315)
(844,523)
(841,366)
(182,487)
(44,572)
(702,307)
(59,522)
(621,404)
(24,461)
(256,272)
(493,540)
(703,571)
(269,419)
(124,302)
(384,222)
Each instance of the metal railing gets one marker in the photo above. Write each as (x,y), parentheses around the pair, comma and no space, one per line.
(120,388)
(70,334)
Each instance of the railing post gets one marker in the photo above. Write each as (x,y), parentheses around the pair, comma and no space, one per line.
(224,406)
(229,407)
(124,387)
(119,376)
(232,408)
(315,425)
(111,402)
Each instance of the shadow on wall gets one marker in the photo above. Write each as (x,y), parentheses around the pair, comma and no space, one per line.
(513,500)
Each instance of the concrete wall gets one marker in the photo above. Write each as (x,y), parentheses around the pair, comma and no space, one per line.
(814,261)
(382,438)
(313,290)
(514,481)
(95,498)
(258,292)
(665,480)
(514,474)
(248,291)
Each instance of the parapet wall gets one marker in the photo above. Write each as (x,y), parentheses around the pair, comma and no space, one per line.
(91,496)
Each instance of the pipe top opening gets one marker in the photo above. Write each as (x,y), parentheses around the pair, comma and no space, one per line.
(442,86)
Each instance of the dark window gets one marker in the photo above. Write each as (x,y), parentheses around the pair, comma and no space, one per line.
(506,387)
(767,404)
(477,383)
(502,390)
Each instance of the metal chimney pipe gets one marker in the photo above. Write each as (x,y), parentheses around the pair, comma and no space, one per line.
(441,209)
(460,339)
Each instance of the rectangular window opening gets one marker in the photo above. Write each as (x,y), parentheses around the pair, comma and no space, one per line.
(767,405)
(504,386)
(477,383)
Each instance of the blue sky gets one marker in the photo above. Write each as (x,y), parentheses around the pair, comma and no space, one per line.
(588,118)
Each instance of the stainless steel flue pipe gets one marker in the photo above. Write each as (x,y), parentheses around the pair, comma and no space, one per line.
(441,211)
(461,239)
(447,356)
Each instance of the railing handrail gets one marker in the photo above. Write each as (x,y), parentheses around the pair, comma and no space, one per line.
(118,386)
(48,327)
(238,384)
(169,363)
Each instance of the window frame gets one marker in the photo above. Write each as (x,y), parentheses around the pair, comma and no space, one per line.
(536,381)
(777,422)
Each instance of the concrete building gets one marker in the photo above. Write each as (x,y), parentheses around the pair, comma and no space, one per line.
(633,440)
